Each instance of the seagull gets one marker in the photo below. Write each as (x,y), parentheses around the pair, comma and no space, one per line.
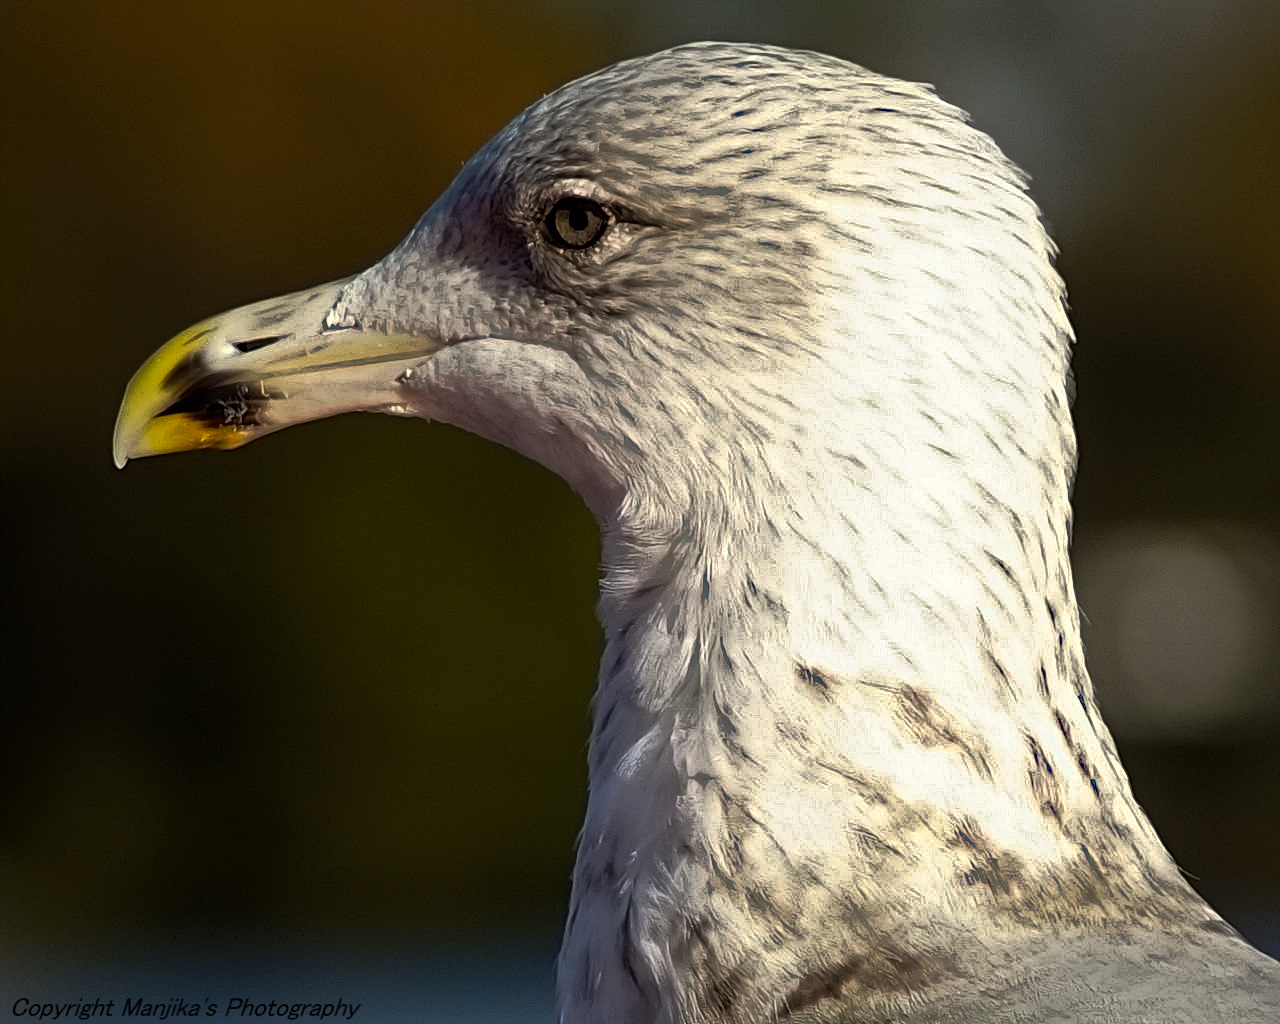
(792,331)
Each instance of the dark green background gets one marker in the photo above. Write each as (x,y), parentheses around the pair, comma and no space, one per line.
(338,682)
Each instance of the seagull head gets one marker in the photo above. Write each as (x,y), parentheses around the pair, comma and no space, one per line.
(652,273)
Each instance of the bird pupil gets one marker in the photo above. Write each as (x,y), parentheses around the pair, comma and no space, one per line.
(575,222)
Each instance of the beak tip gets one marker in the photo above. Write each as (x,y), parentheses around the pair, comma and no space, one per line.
(119,442)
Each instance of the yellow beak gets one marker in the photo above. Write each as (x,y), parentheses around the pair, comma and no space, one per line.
(258,369)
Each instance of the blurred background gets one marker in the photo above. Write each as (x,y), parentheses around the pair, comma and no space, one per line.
(314,714)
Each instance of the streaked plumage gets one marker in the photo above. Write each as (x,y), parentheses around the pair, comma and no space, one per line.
(812,379)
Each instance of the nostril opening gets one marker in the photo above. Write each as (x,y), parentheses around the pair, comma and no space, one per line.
(253,344)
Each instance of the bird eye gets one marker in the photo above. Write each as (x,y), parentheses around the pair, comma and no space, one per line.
(576,222)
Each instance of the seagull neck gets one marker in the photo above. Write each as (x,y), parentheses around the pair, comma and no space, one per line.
(825,721)
(888,624)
